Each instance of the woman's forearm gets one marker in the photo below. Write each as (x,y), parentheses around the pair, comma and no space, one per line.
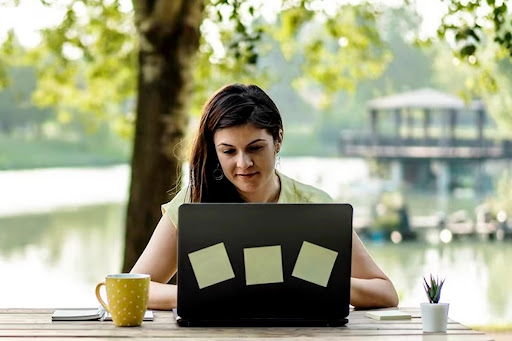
(372,293)
(162,296)
(364,293)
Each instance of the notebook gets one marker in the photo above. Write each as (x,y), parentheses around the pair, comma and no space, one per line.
(388,315)
(264,264)
(93,314)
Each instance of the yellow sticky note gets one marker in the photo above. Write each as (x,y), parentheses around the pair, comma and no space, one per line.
(263,265)
(211,265)
(314,264)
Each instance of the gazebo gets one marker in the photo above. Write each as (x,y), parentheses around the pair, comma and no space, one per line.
(426,100)
(421,137)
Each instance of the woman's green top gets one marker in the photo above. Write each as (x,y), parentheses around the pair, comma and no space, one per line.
(292,191)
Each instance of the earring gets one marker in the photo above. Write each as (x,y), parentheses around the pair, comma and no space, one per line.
(278,160)
(217,173)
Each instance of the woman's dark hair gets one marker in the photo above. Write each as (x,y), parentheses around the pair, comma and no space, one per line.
(232,105)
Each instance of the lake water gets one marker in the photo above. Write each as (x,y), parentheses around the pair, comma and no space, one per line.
(61,231)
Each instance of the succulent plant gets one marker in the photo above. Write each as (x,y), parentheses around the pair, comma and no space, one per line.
(433,289)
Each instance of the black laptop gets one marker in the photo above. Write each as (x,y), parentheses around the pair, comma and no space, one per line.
(264,264)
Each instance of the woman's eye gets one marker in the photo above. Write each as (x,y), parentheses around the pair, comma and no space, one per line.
(255,148)
(229,151)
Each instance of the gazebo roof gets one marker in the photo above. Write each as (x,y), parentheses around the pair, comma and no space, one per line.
(425,98)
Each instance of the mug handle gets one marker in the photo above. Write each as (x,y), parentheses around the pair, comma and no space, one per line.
(98,296)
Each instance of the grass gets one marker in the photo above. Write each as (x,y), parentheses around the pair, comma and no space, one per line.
(22,153)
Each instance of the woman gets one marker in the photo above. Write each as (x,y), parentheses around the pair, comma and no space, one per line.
(233,160)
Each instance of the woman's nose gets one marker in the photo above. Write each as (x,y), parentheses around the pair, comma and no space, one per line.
(244,161)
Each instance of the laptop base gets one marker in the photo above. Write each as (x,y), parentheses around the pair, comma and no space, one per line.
(259,322)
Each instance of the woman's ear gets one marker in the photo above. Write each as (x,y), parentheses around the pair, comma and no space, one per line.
(279,142)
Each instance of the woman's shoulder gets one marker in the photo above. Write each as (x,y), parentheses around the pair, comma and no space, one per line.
(293,191)
(171,208)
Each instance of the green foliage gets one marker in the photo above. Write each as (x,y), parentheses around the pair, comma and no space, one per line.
(348,112)
(86,64)
(433,290)
(395,25)
(467,22)
(502,199)
(387,222)
(8,56)
(480,36)
(336,50)
(489,80)
(226,55)
(17,113)
(272,70)
(30,137)
(387,218)
(333,51)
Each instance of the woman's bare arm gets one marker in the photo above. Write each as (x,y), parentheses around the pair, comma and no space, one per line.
(370,287)
(159,261)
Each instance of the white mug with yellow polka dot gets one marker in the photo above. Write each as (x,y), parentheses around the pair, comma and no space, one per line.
(127,296)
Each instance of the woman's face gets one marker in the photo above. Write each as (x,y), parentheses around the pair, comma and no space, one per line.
(247,157)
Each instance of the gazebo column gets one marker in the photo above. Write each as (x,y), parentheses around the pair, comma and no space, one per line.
(398,123)
(452,123)
(374,126)
(397,173)
(410,124)
(443,133)
(480,121)
(479,177)
(443,179)
(426,124)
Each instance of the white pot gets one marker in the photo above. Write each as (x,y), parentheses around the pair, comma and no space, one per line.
(434,317)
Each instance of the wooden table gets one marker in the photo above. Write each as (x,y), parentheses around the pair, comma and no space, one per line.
(36,323)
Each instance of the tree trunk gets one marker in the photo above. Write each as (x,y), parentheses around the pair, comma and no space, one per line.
(169,40)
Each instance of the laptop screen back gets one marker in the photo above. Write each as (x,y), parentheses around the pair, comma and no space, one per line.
(259,261)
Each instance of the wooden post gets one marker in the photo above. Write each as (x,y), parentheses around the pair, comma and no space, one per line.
(410,124)
(374,126)
(398,123)
(442,172)
(397,173)
(452,123)
(426,124)
(480,121)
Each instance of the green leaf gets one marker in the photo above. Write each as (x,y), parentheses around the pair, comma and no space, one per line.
(433,290)
(468,50)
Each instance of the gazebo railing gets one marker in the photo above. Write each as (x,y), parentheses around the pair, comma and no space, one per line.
(386,146)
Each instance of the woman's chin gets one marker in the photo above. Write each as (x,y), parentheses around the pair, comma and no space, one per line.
(246,188)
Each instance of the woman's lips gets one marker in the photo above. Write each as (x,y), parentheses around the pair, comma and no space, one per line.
(248,175)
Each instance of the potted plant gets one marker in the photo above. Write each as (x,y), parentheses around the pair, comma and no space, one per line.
(434,315)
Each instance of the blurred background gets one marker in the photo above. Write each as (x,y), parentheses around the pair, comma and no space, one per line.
(401,108)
